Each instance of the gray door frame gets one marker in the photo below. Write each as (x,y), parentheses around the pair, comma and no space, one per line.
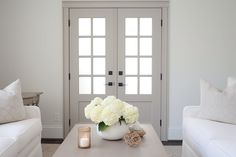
(67,5)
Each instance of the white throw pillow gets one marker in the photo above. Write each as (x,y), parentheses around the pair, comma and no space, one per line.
(231,81)
(218,105)
(11,103)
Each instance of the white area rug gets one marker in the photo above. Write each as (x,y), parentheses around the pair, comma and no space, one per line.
(49,149)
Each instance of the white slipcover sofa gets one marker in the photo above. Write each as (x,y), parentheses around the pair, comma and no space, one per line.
(206,138)
(22,138)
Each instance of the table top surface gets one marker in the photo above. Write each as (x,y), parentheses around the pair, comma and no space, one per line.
(28,95)
(150,145)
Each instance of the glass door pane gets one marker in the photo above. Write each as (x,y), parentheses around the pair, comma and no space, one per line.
(138,44)
(92,55)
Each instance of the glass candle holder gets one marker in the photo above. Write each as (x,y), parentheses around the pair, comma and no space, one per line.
(84,137)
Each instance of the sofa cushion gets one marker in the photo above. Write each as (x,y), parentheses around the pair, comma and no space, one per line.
(198,133)
(11,103)
(22,131)
(218,105)
(8,147)
(222,147)
(231,81)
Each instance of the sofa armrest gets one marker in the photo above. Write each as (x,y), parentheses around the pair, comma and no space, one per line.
(32,112)
(191,111)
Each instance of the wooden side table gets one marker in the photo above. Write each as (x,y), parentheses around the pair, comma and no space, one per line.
(31,98)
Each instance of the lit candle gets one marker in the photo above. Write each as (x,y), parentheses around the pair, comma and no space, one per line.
(84,137)
(84,142)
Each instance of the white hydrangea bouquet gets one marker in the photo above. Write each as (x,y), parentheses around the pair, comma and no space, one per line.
(110,111)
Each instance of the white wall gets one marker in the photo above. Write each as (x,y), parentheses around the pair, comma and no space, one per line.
(31,49)
(202,44)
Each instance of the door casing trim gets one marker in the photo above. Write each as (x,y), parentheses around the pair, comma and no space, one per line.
(67,5)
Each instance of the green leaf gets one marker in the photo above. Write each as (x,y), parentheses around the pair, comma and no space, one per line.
(102,126)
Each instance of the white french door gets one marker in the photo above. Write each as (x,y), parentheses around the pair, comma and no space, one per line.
(92,60)
(116,52)
(139,61)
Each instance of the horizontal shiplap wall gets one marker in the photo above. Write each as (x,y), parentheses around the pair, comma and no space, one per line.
(202,39)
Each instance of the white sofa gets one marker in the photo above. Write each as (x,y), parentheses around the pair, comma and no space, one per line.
(22,138)
(206,138)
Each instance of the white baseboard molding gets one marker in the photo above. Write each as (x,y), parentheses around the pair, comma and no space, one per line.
(52,131)
(175,134)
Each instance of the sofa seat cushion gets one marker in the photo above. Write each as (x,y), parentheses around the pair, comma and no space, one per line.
(222,147)
(22,131)
(198,133)
(8,147)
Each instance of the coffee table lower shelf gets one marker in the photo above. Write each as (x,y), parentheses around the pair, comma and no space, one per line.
(151,146)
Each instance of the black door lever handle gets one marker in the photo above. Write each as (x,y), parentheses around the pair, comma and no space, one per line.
(120,84)
(109,84)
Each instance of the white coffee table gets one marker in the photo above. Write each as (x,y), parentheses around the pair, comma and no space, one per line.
(151,146)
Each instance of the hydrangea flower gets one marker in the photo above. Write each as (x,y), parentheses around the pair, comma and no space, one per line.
(130,113)
(96,101)
(110,111)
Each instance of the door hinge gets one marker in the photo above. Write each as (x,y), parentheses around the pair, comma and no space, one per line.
(161,22)
(69,122)
(160,122)
(69,23)
(160,76)
(69,76)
